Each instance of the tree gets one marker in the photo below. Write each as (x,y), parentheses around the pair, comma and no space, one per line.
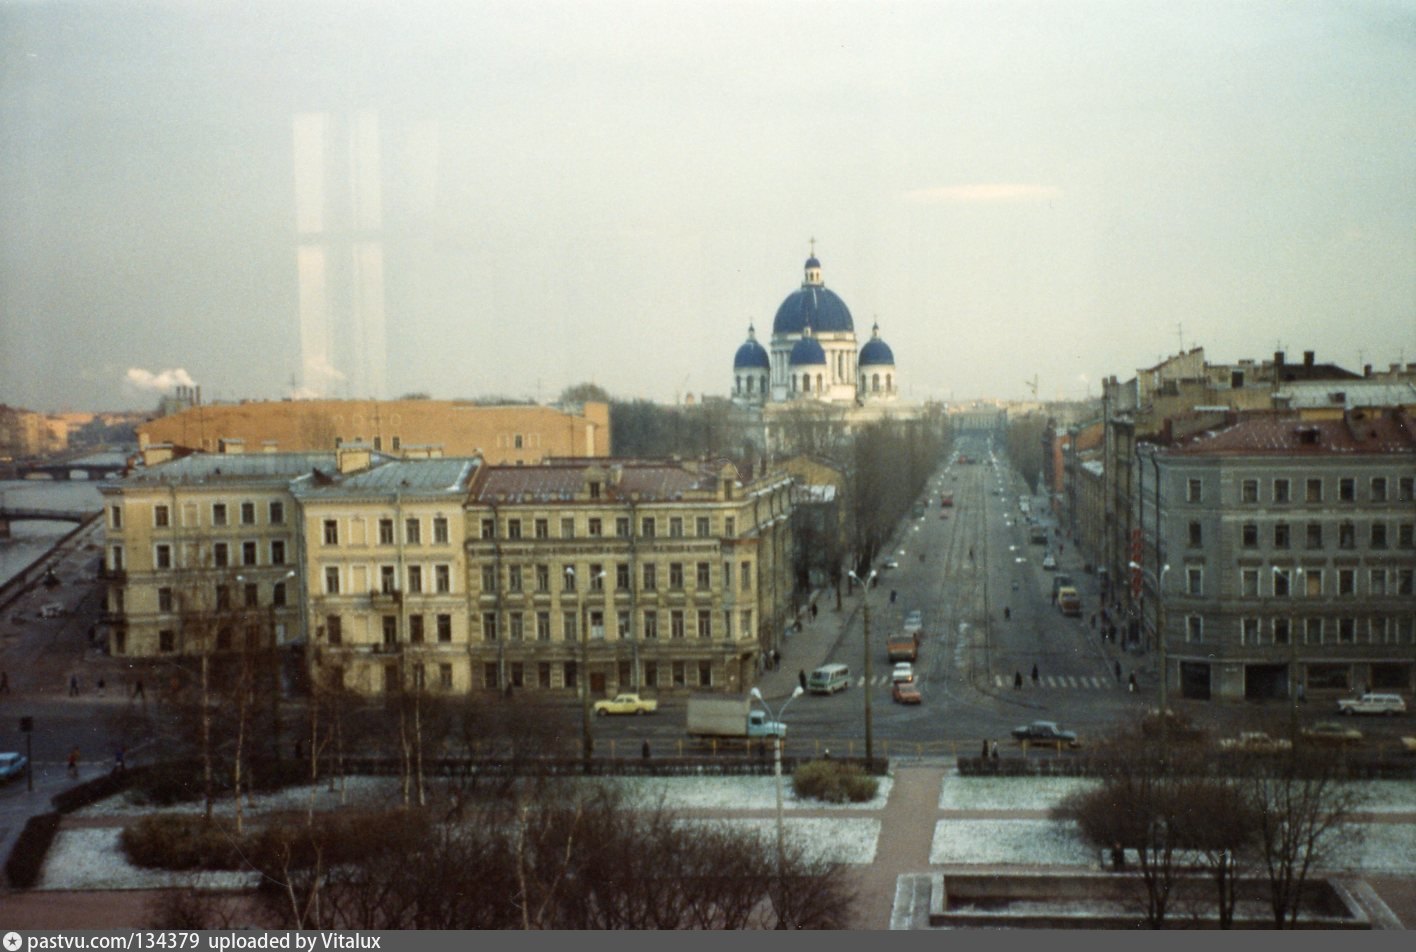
(584,393)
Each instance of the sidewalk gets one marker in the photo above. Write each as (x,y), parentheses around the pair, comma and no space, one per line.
(804,650)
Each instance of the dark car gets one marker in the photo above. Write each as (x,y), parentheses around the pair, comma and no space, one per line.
(1045,732)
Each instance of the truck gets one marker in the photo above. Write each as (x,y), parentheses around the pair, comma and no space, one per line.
(729,716)
(1069,600)
(903,646)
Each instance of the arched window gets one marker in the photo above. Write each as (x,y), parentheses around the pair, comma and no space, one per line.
(738,388)
(818,383)
(875,382)
(889,383)
(806,383)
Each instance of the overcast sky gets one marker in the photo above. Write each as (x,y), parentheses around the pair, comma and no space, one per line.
(612,191)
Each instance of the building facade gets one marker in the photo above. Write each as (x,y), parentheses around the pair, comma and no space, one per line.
(1284,550)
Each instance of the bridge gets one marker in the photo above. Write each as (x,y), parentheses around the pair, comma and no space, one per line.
(9,515)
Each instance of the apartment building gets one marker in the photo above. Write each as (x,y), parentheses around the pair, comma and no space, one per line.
(1284,556)
(630,574)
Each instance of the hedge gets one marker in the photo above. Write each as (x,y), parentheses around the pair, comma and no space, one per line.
(31,846)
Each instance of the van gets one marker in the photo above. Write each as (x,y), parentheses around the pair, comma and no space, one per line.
(1069,600)
(52,610)
(828,679)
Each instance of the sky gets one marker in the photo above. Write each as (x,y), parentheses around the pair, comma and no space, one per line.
(613,191)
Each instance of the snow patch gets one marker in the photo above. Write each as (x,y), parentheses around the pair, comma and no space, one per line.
(1009,842)
(93,859)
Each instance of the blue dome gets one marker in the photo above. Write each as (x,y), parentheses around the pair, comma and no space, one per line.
(812,262)
(752,355)
(813,306)
(876,352)
(807,352)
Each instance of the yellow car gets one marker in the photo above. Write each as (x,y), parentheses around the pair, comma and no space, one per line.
(626,704)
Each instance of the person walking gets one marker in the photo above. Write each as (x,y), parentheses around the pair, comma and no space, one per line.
(1017,680)
(138,690)
(1034,675)
(73,685)
(993,751)
(1132,684)
(983,754)
(644,752)
(801,678)
(74,762)
(1118,672)
(1007,613)
(813,611)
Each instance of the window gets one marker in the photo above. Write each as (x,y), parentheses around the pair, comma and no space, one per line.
(1195,580)
(277,513)
(1406,489)
(1280,490)
(745,619)
(597,625)
(1313,631)
(1249,583)
(646,527)
(220,555)
(568,575)
(597,577)
(223,598)
(1280,631)
(596,527)
(277,552)
(543,578)
(746,571)
(489,675)
(248,513)
(1249,631)
(1250,536)
(115,517)
(162,556)
(729,526)
(248,553)
(1194,629)
(1313,583)
(166,640)
(622,527)
(513,578)
(622,627)
(415,579)
(1379,535)
(334,629)
(1196,535)
(489,578)
(568,527)
(489,528)
(489,626)
(115,558)
(675,624)
(251,595)
(415,629)
(1405,580)
(1194,490)
(675,527)
(444,673)
(622,575)
(277,595)
(513,528)
(388,582)
(703,527)
(385,532)
(1377,582)
(1249,490)
(1406,535)
(440,530)
(1346,582)
(675,575)
(705,578)
(1347,489)
(570,675)
(218,513)
(331,580)
(679,674)
(1347,631)
(1281,579)
(542,528)
(543,626)
(1379,489)
(412,532)
(570,624)
(331,532)
(1315,535)
(164,599)
(390,629)
(705,623)
(651,577)
(1347,536)
(594,489)
(161,516)
(1314,491)
(651,624)
(444,628)
(651,674)
(1280,535)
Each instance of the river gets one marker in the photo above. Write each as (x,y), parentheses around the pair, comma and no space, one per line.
(30,540)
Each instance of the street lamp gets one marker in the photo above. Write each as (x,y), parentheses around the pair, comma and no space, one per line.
(1160,641)
(777,773)
(587,742)
(869,669)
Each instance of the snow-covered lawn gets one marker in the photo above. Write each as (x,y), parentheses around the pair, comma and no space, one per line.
(734,793)
(93,859)
(1008,793)
(1386,796)
(1010,842)
(355,790)
(1382,848)
(840,841)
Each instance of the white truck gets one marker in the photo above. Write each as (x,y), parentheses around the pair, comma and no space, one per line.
(729,716)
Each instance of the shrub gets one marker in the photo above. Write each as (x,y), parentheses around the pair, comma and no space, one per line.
(183,842)
(833,782)
(31,846)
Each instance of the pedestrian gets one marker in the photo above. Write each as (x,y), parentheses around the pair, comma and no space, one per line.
(993,751)
(826,754)
(74,762)
(119,759)
(1118,672)
(138,690)
(101,686)
(1034,675)
(801,678)
(1118,857)
(1007,613)
(983,755)
(1302,694)
(776,659)
(73,685)
(645,750)
(1054,596)
(1131,686)
(813,611)
(4,682)
(971,555)
(892,596)
(1017,680)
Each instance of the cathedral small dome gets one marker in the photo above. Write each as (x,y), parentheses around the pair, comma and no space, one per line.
(807,352)
(876,352)
(751,354)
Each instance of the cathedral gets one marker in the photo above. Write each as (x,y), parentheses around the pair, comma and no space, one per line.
(813,354)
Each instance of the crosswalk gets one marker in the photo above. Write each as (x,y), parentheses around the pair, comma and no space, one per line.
(1079,682)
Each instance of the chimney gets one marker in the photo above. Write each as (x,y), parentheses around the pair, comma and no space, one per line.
(1366,370)
(1308,358)
(1278,360)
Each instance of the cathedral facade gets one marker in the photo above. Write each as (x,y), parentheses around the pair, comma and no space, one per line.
(813,354)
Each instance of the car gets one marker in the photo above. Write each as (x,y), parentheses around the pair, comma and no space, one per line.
(1178,727)
(905,693)
(1331,734)
(12,765)
(1255,742)
(889,564)
(914,622)
(626,704)
(1049,563)
(1045,732)
(1369,703)
(903,673)
(1408,744)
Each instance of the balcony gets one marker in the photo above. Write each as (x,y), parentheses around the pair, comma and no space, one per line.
(390,599)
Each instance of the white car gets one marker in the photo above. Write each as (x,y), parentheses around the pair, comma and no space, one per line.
(1373,704)
(890,564)
(1049,563)
(914,622)
(903,673)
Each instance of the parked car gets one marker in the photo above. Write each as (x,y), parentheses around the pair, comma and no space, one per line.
(12,765)
(889,564)
(1408,744)
(1177,727)
(1332,734)
(1045,732)
(1049,562)
(626,704)
(1370,703)
(905,693)
(1255,742)
(904,672)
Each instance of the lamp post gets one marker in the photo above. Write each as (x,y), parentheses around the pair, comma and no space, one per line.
(869,668)
(587,742)
(777,773)
(1160,641)
(1279,572)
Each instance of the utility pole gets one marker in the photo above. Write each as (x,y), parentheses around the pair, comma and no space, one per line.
(869,669)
